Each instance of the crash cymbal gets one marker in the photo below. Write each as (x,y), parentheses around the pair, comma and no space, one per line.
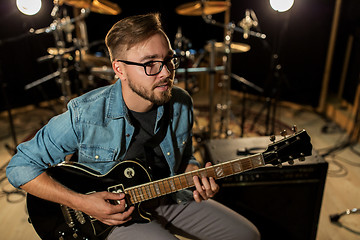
(235,47)
(195,9)
(98,6)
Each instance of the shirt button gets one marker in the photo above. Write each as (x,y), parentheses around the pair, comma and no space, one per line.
(96,156)
(127,135)
(184,142)
(168,153)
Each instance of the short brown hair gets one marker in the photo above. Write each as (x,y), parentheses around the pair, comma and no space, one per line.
(132,30)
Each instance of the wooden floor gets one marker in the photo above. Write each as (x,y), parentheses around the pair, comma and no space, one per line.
(341,188)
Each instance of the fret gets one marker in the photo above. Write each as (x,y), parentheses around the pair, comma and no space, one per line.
(157,188)
(133,195)
(189,179)
(202,173)
(140,193)
(172,185)
(219,171)
(137,195)
(183,181)
(257,161)
(246,164)
(237,167)
(166,186)
(211,172)
(227,169)
(162,187)
(148,191)
(152,189)
(177,182)
(143,190)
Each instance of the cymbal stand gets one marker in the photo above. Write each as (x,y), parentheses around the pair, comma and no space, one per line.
(225,105)
(62,65)
(211,89)
(182,45)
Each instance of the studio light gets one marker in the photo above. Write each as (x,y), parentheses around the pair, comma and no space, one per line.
(281,5)
(29,7)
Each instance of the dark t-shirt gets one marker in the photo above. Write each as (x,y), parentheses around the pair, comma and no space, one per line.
(145,143)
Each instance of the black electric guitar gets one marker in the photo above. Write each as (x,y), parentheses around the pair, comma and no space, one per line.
(55,221)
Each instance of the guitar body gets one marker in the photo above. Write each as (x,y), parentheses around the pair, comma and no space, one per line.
(54,221)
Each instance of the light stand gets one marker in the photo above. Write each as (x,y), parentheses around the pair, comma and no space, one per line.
(276,79)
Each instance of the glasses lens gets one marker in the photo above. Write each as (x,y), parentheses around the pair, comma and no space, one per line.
(155,67)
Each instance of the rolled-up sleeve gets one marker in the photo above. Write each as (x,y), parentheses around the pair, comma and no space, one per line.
(50,146)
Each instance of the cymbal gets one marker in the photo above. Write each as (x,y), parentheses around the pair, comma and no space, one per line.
(235,47)
(195,9)
(98,6)
(95,61)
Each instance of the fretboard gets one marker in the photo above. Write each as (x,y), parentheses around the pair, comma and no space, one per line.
(176,183)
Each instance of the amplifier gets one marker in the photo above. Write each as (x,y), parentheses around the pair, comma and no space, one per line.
(284,203)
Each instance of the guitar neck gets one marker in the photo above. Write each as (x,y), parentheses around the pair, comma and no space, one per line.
(176,183)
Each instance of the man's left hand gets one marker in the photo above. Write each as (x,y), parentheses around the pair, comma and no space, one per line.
(205,187)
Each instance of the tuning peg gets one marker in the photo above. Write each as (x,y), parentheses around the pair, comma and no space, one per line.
(294,128)
(279,165)
(291,160)
(283,133)
(302,157)
(272,138)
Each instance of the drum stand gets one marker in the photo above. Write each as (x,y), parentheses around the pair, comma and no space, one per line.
(60,27)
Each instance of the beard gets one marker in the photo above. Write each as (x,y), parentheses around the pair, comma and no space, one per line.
(150,95)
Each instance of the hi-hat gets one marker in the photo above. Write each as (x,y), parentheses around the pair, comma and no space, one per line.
(235,47)
(95,61)
(196,8)
(98,6)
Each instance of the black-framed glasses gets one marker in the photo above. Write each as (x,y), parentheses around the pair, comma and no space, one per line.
(152,68)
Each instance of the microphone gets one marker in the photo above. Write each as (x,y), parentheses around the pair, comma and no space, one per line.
(247,22)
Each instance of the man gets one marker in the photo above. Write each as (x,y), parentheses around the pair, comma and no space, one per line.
(142,116)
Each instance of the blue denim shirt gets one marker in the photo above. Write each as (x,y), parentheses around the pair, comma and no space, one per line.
(97,126)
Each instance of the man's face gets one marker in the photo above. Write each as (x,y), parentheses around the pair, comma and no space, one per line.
(157,88)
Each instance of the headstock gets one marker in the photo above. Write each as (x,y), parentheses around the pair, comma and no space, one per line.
(295,146)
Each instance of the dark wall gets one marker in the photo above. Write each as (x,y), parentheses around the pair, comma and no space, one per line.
(302,49)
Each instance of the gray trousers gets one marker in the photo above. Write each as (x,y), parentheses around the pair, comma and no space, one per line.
(208,220)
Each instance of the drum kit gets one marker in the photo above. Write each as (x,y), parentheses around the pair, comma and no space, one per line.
(72,53)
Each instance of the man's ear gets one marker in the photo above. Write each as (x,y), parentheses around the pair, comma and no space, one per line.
(119,70)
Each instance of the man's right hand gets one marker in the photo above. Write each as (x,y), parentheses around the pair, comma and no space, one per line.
(98,205)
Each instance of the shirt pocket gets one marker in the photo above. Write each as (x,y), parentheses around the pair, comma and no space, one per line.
(98,158)
(182,140)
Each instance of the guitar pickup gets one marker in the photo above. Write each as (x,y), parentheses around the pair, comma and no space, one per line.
(116,189)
